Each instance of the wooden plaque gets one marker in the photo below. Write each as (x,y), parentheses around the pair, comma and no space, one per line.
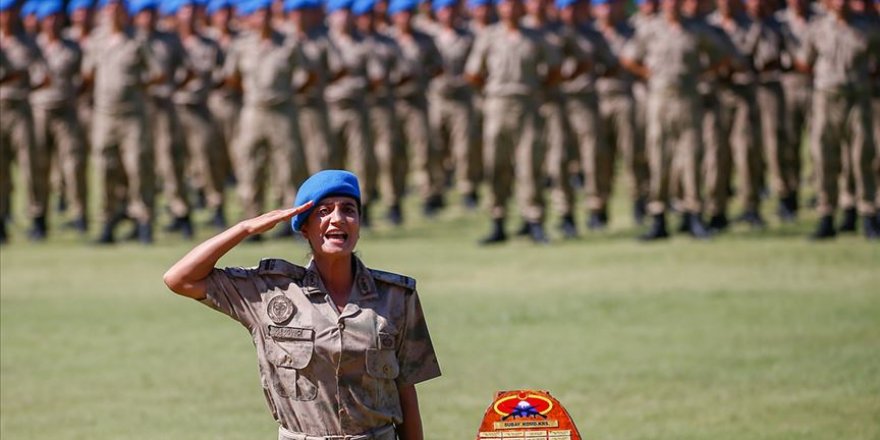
(527,415)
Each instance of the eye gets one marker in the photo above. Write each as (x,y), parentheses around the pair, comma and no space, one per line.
(323,211)
(349,210)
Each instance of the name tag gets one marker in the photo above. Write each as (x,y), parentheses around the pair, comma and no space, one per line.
(291,333)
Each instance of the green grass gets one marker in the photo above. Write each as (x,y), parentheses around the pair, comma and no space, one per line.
(756,335)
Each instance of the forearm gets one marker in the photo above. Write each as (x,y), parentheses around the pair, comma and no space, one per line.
(187,276)
(411,428)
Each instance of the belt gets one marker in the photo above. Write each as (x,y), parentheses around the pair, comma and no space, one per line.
(383,433)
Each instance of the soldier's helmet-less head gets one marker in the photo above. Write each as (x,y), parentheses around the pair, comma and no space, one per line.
(332,224)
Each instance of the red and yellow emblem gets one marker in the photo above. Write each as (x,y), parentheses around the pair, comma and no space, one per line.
(527,414)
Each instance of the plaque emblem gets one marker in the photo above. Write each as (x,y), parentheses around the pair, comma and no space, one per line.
(527,414)
(280,309)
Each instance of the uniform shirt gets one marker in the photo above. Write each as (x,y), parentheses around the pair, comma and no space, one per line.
(168,56)
(326,372)
(454,46)
(63,60)
(225,43)
(266,67)
(744,35)
(20,55)
(359,64)
(203,60)
(617,37)
(794,32)
(584,43)
(421,59)
(121,64)
(510,61)
(386,56)
(839,52)
(673,54)
(322,58)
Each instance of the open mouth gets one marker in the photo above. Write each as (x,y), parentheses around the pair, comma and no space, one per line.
(336,236)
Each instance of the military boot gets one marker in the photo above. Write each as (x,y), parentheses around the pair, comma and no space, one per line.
(145,232)
(537,233)
(523,230)
(787,210)
(639,211)
(471,201)
(825,229)
(395,215)
(848,223)
(567,227)
(718,222)
(186,228)
(106,236)
(219,219)
(597,221)
(871,227)
(365,216)
(3,237)
(696,228)
(497,235)
(38,229)
(658,229)
(753,219)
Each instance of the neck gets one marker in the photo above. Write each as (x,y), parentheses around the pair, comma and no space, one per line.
(511,25)
(337,275)
(539,19)
(266,32)
(186,31)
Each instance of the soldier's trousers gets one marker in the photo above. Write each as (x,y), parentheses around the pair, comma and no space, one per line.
(740,126)
(17,141)
(171,154)
(390,152)
(674,141)
(452,128)
(124,156)
(314,125)
(415,132)
(206,154)
(842,144)
(556,140)
(268,139)
(778,153)
(875,118)
(717,158)
(57,132)
(513,154)
(618,120)
(226,112)
(350,129)
(582,111)
(798,92)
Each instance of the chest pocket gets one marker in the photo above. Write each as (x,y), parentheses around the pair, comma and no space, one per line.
(381,362)
(290,350)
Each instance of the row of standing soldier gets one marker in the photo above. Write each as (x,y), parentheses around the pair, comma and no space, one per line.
(172,95)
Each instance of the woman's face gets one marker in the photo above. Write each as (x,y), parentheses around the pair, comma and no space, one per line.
(333,228)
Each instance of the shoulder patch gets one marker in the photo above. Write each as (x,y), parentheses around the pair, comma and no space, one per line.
(239,272)
(393,278)
(277,266)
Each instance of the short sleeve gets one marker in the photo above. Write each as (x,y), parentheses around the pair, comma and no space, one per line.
(634,49)
(476,62)
(233,292)
(416,357)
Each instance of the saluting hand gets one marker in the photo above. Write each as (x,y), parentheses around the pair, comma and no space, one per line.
(267,221)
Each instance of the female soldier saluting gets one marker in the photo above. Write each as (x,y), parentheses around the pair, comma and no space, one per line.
(340,347)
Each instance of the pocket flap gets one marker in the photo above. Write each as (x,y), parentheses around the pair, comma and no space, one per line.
(382,364)
(290,347)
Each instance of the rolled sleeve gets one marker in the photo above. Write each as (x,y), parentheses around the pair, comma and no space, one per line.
(416,357)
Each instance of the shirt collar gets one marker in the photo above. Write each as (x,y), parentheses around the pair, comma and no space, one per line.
(363,287)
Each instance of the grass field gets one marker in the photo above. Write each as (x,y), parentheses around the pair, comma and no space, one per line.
(756,335)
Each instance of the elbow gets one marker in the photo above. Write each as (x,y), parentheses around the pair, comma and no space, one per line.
(172,281)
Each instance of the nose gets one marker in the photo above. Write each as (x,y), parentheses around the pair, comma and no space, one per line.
(336,215)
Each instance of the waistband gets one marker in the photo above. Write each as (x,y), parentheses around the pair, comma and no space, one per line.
(383,433)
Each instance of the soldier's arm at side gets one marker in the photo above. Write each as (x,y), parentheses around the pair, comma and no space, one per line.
(187,276)
(632,55)
(411,428)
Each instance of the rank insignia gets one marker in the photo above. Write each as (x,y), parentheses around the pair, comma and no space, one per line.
(280,309)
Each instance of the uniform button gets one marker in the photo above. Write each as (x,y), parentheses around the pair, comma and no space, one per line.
(341,326)
(387,369)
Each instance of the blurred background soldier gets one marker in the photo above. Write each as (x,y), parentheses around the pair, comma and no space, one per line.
(505,60)
(669,57)
(168,56)
(422,62)
(22,69)
(119,67)
(199,134)
(224,102)
(305,24)
(57,129)
(797,90)
(618,110)
(740,121)
(349,125)
(451,102)
(388,167)
(262,63)
(837,49)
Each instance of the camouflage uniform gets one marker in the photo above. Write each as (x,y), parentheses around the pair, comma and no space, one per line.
(326,372)
(225,105)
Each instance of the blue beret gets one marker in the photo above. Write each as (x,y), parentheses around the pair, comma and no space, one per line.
(248,7)
(296,5)
(396,6)
(29,8)
(599,2)
(78,4)
(136,6)
(477,3)
(216,5)
(335,5)
(6,5)
(437,5)
(321,185)
(48,7)
(361,7)
(565,3)
(170,7)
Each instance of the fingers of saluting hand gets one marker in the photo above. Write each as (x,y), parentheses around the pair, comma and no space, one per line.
(287,214)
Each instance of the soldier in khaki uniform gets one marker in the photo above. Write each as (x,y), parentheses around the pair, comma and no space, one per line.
(797,89)
(668,55)
(389,150)
(348,119)
(199,134)
(422,62)
(224,102)
(618,110)
(837,50)
(505,61)
(56,125)
(262,63)
(119,66)
(451,102)
(21,69)
(340,347)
